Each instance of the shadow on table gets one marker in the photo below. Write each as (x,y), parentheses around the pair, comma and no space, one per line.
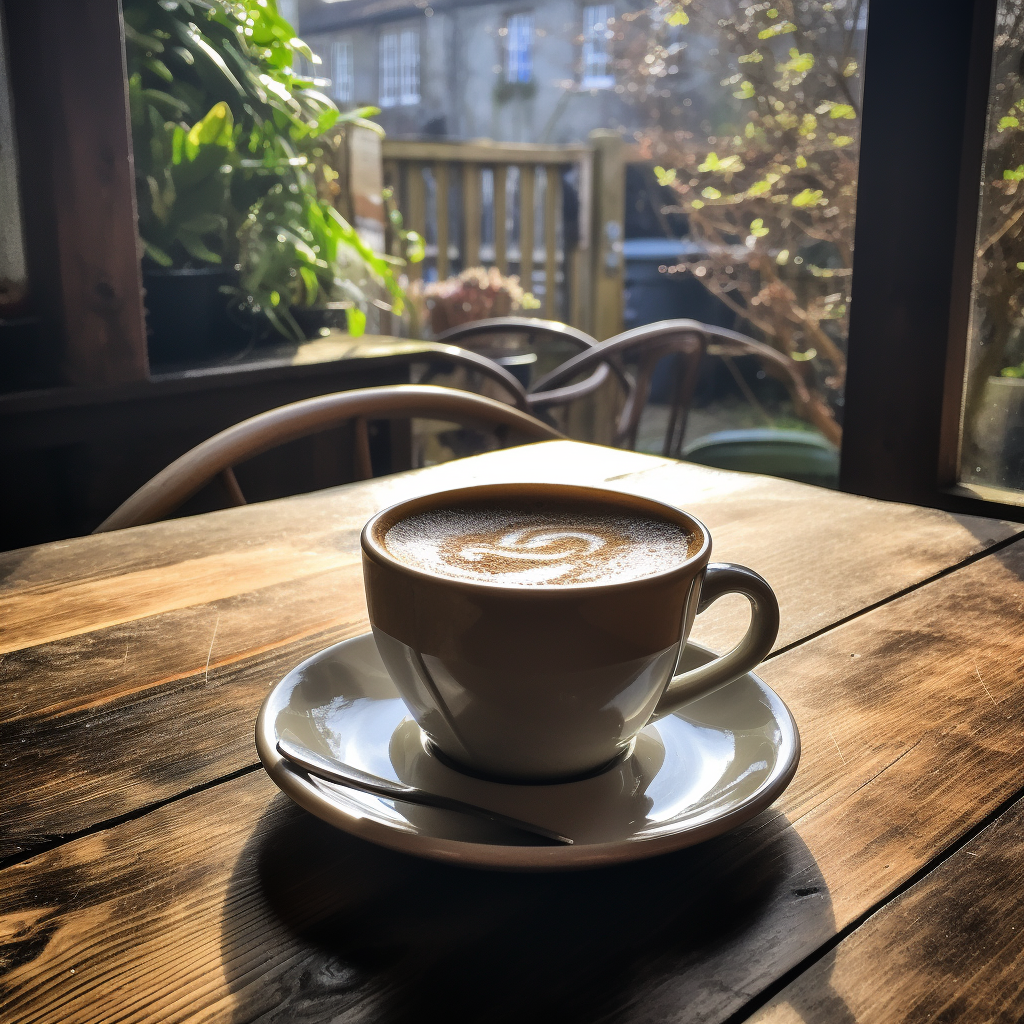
(319,926)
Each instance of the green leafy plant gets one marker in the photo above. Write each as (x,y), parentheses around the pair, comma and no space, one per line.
(227,139)
(768,176)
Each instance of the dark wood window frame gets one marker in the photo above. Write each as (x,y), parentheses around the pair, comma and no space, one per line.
(917,209)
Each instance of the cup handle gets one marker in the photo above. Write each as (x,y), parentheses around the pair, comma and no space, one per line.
(725,578)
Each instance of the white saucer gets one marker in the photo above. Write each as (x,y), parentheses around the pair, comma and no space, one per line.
(695,774)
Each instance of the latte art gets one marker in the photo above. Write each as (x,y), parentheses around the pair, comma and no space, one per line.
(533,546)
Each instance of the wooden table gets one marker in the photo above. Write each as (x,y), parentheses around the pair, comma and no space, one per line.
(150,870)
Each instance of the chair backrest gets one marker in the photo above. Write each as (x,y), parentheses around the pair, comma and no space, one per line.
(449,354)
(214,457)
(692,340)
(471,336)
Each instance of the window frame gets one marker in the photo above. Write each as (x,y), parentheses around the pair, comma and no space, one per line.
(398,86)
(524,23)
(590,48)
(338,47)
(913,268)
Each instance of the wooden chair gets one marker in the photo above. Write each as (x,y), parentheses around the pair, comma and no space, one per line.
(692,340)
(446,354)
(476,335)
(216,456)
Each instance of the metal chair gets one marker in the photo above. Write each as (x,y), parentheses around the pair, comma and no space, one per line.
(215,457)
(692,340)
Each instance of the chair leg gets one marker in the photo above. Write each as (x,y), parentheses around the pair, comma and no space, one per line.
(230,482)
(682,399)
(629,421)
(363,463)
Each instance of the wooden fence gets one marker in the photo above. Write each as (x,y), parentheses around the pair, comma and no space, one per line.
(551,214)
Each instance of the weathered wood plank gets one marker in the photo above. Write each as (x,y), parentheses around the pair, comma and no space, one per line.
(501,217)
(232,905)
(441,209)
(203,618)
(949,949)
(527,183)
(472,215)
(483,152)
(552,215)
(415,210)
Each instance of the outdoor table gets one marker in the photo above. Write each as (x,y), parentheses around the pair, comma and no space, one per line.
(151,871)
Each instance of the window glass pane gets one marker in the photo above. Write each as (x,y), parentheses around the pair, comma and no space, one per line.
(598,33)
(736,128)
(518,57)
(389,69)
(341,70)
(13,274)
(410,68)
(992,423)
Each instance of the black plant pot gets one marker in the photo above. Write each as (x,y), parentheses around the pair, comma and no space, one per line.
(187,318)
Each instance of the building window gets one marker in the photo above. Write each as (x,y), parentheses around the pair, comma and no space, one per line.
(597,37)
(519,48)
(342,71)
(400,68)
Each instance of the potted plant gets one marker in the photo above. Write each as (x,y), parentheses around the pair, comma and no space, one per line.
(227,138)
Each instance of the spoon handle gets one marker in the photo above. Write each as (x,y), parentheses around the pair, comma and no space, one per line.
(345,775)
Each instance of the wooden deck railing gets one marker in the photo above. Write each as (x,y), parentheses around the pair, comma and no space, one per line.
(524,208)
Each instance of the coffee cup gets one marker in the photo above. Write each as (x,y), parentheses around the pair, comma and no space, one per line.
(533,629)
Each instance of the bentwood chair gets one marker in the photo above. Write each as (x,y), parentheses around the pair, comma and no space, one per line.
(215,457)
(532,336)
(691,340)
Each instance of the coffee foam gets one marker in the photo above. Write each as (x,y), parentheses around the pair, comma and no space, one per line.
(540,544)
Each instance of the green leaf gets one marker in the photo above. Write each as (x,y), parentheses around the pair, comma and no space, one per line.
(309,279)
(356,321)
(809,197)
(159,68)
(196,247)
(801,161)
(711,193)
(677,17)
(803,357)
(665,177)
(782,28)
(782,258)
(842,110)
(1014,175)
(156,254)
(757,228)
(214,129)
(415,247)
(751,58)
(745,91)
(1008,122)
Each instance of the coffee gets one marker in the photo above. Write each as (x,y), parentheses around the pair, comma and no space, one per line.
(538,543)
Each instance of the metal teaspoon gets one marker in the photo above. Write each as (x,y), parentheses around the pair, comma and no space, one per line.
(345,775)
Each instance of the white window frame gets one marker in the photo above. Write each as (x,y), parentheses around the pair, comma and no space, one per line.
(597,51)
(342,71)
(399,71)
(519,47)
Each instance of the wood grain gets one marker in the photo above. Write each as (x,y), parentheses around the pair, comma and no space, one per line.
(232,905)
(117,642)
(527,221)
(442,217)
(949,949)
